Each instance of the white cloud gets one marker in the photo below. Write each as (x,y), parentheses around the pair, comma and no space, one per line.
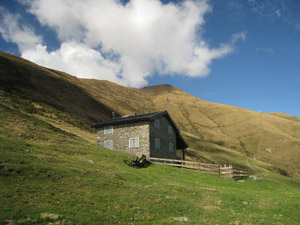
(238,36)
(122,43)
(283,11)
(12,31)
(77,59)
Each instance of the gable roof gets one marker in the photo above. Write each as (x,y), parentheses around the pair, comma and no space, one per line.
(145,117)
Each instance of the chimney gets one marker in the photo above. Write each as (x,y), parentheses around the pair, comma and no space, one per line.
(113,114)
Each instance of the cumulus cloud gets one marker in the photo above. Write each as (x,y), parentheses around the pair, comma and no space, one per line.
(12,31)
(124,43)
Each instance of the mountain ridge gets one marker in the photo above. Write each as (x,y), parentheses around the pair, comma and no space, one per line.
(215,132)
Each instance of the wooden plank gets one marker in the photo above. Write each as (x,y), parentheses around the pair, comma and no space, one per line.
(208,172)
(240,171)
(173,164)
(225,173)
(214,169)
(240,175)
(176,160)
(153,158)
(202,164)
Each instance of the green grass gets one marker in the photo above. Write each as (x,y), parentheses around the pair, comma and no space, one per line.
(215,132)
(45,178)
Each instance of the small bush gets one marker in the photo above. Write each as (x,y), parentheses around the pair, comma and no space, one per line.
(138,162)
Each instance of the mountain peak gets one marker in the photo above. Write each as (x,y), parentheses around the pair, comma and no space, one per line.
(159,89)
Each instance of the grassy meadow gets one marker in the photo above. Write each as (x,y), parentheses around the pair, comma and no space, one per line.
(261,142)
(46,178)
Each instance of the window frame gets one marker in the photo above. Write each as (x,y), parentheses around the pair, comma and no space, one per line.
(138,142)
(170,129)
(157,123)
(108,130)
(157,143)
(171,149)
(108,141)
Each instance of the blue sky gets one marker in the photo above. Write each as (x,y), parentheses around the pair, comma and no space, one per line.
(236,52)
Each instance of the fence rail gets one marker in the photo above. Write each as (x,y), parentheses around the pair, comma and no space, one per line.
(215,169)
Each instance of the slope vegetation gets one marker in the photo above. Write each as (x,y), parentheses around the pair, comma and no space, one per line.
(261,142)
(54,88)
(247,137)
(51,176)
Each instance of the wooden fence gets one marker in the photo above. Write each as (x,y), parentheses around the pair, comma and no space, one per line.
(215,169)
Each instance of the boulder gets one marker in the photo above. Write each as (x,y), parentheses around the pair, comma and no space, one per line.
(182,219)
(254,177)
(171,197)
(139,162)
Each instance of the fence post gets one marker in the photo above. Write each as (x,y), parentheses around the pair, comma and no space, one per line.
(165,161)
(181,163)
(219,170)
(231,171)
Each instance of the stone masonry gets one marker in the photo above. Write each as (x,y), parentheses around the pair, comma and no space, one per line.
(121,135)
(141,135)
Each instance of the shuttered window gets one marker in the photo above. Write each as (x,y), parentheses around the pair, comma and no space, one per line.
(157,143)
(171,147)
(170,130)
(156,124)
(108,144)
(108,130)
(133,142)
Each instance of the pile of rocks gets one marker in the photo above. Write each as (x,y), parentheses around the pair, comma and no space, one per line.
(139,162)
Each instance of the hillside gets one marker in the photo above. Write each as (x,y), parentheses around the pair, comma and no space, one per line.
(51,176)
(261,142)
(54,88)
(222,130)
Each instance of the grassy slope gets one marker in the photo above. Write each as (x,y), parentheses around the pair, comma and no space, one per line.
(57,89)
(123,100)
(227,134)
(215,132)
(45,178)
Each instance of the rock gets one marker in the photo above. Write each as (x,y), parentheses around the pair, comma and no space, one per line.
(9,222)
(49,215)
(269,149)
(139,162)
(254,178)
(91,161)
(241,181)
(28,151)
(171,197)
(182,219)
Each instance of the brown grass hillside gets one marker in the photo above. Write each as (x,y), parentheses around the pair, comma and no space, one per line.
(214,132)
(269,138)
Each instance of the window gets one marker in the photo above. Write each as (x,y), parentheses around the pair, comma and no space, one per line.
(156,125)
(157,143)
(133,142)
(108,144)
(170,130)
(108,130)
(171,147)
